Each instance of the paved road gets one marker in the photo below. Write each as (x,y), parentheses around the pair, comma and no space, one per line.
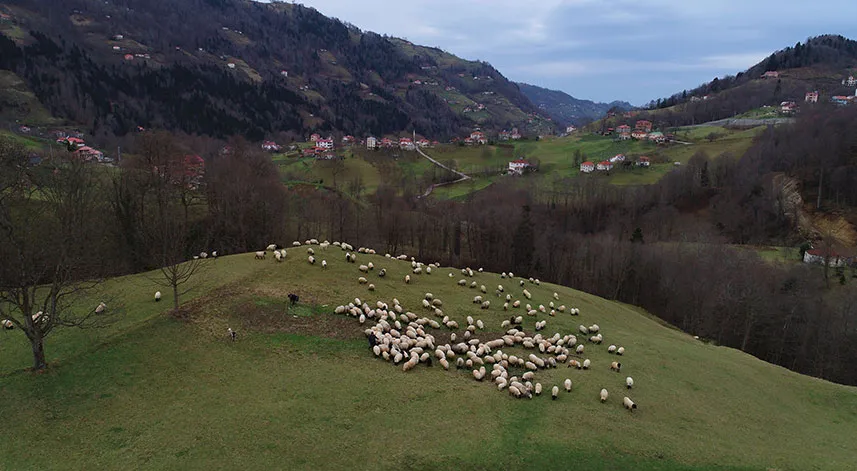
(433,186)
(744,122)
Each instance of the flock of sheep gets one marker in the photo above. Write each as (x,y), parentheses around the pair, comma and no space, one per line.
(403,337)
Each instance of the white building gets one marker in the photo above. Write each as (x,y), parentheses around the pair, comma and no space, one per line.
(818,255)
(325,143)
(371,143)
(518,166)
(587,167)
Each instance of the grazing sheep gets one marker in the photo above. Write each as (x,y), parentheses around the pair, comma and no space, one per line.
(538,389)
(604,395)
(574,363)
(295,244)
(272,247)
(371,287)
(157,296)
(620,351)
(362,280)
(7,324)
(629,382)
(232,334)
(370,265)
(99,309)
(260,255)
(528,295)
(579,349)
(629,404)
(586,364)
(594,328)
(611,349)
(310,251)
(311,260)
(324,264)
(615,366)
(483,289)
(382,272)
(407,279)
(363,269)
(567,384)
(477,299)
(554,392)
(485,304)
(556,296)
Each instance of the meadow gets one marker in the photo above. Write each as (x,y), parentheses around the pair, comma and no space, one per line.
(300,389)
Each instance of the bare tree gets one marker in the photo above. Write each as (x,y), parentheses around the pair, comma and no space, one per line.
(45,276)
(177,268)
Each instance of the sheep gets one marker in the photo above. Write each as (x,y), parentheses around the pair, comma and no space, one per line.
(272,247)
(324,264)
(98,309)
(232,334)
(556,296)
(586,364)
(370,265)
(579,349)
(583,329)
(203,255)
(260,255)
(311,260)
(371,287)
(516,304)
(629,404)
(214,254)
(594,328)
(362,280)
(462,282)
(615,366)
(611,349)
(528,295)
(485,304)
(477,299)
(310,251)
(278,256)
(538,389)
(604,395)
(418,270)
(554,392)
(629,382)
(574,363)
(483,289)
(296,244)
(157,296)
(7,324)
(407,279)
(567,384)
(479,374)
(363,269)
(428,270)
(620,351)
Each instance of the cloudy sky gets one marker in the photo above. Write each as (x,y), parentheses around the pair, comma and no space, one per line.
(632,50)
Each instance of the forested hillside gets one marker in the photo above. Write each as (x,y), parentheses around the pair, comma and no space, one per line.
(230,67)
(566,109)
(820,64)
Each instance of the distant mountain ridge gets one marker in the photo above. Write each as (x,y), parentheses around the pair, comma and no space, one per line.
(240,67)
(566,109)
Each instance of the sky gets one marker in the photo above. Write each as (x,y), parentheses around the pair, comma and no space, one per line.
(604,50)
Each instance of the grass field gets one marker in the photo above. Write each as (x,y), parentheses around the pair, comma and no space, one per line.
(300,389)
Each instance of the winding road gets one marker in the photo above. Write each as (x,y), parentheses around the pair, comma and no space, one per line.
(432,186)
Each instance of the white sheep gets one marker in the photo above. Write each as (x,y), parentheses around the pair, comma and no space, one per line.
(324,264)
(579,349)
(538,389)
(615,366)
(99,309)
(371,287)
(310,251)
(311,260)
(477,299)
(586,364)
(260,255)
(528,295)
(485,304)
(629,382)
(157,296)
(407,279)
(611,349)
(272,247)
(294,244)
(363,268)
(556,296)
(382,272)
(629,404)
(604,395)
(567,384)
(620,351)
(370,265)
(7,324)
(554,392)
(362,280)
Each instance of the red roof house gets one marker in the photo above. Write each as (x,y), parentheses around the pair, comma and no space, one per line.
(604,166)
(587,167)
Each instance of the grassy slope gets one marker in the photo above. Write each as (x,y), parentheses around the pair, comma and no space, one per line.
(18,102)
(155,392)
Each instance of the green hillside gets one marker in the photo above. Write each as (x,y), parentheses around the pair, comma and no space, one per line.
(301,390)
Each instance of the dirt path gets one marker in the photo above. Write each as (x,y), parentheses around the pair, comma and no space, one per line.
(432,187)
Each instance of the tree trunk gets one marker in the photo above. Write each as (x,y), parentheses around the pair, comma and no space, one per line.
(175,296)
(38,346)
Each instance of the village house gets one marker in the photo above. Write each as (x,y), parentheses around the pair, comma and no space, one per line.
(371,143)
(657,136)
(643,125)
(811,97)
(517,167)
(270,146)
(478,137)
(405,143)
(616,159)
(315,137)
(788,107)
(505,135)
(624,136)
(468,141)
(850,81)
(639,134)
(819,256)
(604,166)
(515,134)
(71,141)
(87,154)
(841,99)
(623,128)
(587,167)
(386,143)
(771,74)
(570,129)
(325,143)
(644,161)
(423,143)
(347,140)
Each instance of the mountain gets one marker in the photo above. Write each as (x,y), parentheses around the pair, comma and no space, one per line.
(822,64)
(566,109)
(224,67)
